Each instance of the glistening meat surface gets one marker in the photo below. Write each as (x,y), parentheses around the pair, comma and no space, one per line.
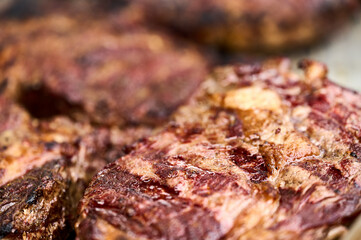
(45,167)
(260,153)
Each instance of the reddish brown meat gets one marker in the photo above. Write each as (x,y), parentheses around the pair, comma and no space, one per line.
(44,168)
(261,153)
(257,25)
(110,69)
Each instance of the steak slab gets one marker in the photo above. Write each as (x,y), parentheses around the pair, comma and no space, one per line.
(262,152)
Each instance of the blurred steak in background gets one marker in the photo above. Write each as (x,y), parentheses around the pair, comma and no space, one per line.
(258,25)
(262,153)
(111,68)
(44,168)
(259,153)
(22,9)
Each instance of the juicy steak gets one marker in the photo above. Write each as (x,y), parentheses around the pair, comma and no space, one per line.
(104,73)
(112,69)
(260,153)
(256,25)
(45,167)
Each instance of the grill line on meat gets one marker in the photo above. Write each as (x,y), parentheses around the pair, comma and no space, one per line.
(260,153)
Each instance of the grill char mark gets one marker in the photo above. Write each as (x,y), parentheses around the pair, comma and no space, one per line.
(254,164)
(135,201)
(245,159)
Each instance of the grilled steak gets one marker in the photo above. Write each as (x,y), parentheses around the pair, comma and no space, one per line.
(104,74)
(260,153)
(256,25)
(110,69)
(44,168)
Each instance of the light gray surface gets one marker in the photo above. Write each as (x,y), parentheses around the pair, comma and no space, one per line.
(342,54)
(4,4)
(343,58)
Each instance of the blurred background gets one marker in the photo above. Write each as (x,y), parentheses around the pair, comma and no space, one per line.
(342,54)
(340,49)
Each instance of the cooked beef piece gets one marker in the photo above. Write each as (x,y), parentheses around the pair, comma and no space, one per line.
(258,25)
(44,168)
(112,68)
(260,153)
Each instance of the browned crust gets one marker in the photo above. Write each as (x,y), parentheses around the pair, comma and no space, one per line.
(107,72)
(111,70)
(261,153)
(38,205)
(45,166)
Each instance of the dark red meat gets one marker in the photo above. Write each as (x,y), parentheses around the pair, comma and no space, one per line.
(260,153)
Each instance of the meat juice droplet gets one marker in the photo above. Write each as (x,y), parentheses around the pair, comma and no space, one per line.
(145,179)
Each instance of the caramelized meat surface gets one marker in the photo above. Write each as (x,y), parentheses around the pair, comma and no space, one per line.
(258,25)
(104,73)
(45,167)
(260,153)
(109,69)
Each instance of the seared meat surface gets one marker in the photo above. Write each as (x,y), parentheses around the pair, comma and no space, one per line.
(260,153)
(258,25)
(110,69)
(118,79)
(45,167)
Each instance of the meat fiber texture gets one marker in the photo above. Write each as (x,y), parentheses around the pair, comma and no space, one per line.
(45,167)
(261,152)
(76,90)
